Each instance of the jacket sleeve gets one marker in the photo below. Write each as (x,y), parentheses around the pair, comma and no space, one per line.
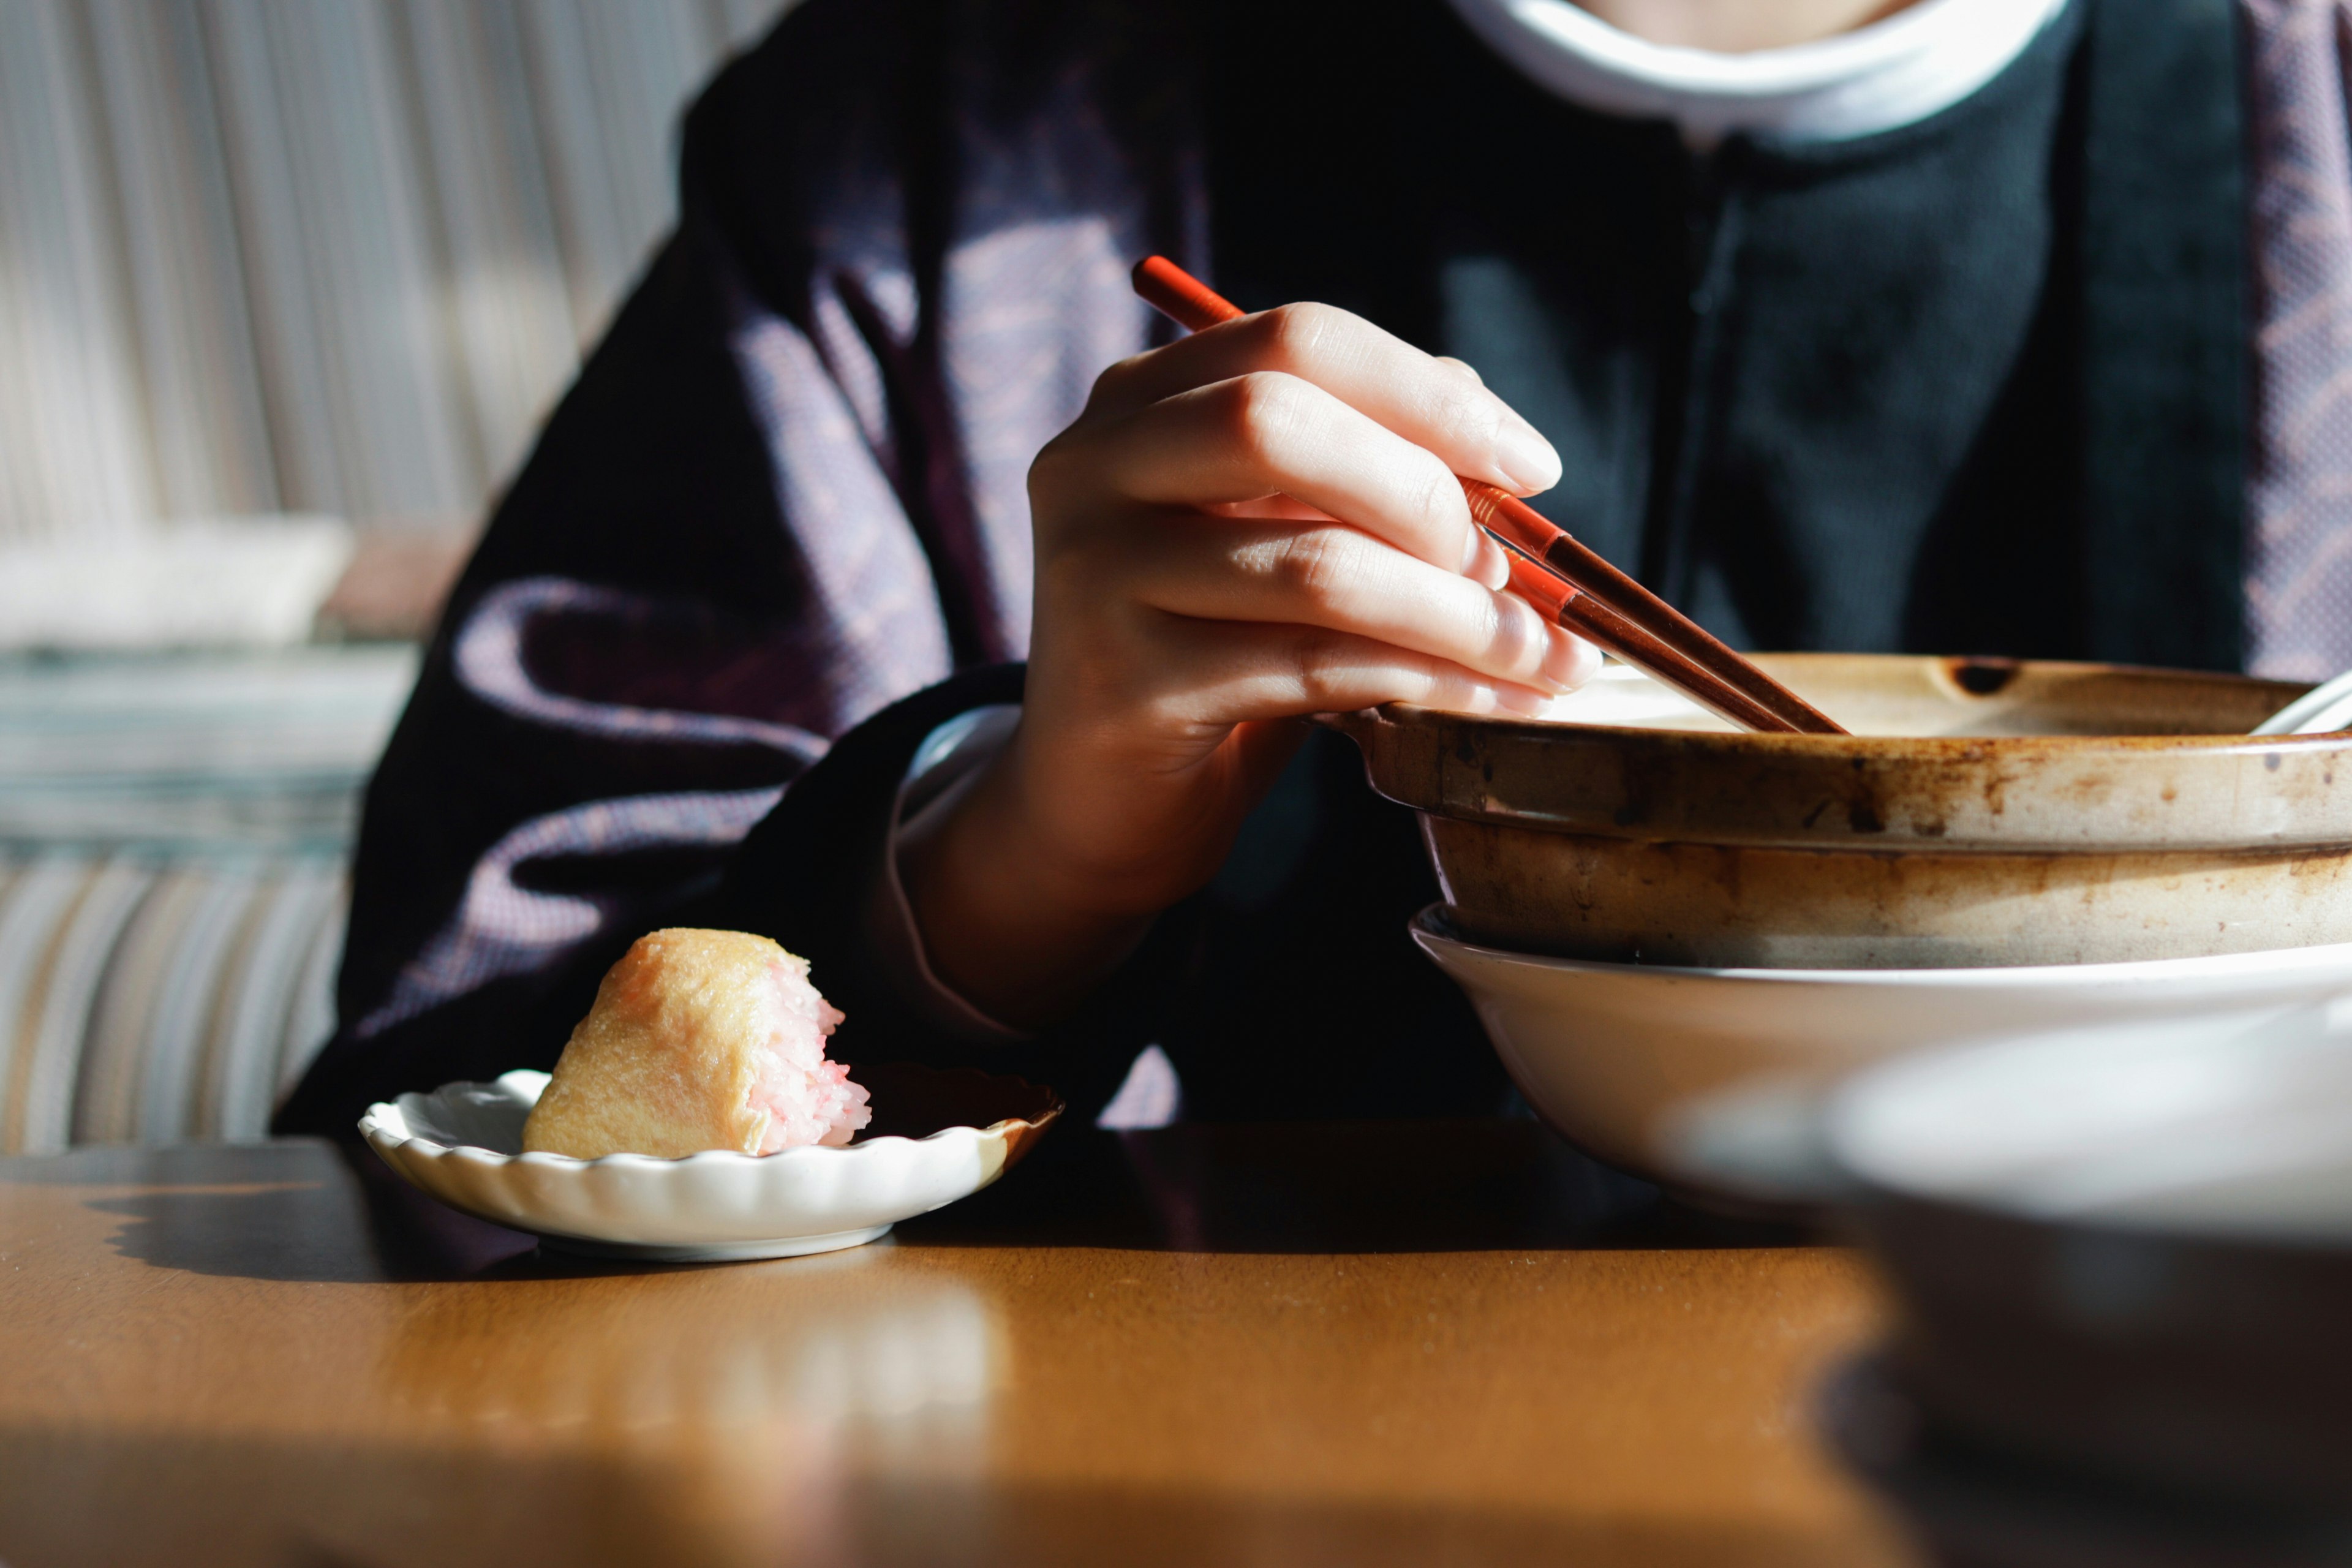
(784,494)
(809,875)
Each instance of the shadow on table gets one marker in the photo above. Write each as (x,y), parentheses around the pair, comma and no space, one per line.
(308,1211)
(312,1231)
(1049,1523)
(251,1497)
(295,1209)
(1316,1187)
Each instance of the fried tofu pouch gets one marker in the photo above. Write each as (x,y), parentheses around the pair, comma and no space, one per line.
(700,1040)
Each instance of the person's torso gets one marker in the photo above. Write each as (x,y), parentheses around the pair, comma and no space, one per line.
(1831,396)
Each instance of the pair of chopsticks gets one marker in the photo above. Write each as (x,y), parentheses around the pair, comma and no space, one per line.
(1562,578)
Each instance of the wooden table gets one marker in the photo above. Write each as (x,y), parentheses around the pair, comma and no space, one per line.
(1350,1344)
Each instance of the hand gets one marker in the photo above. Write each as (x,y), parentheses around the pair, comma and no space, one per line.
(1255,523)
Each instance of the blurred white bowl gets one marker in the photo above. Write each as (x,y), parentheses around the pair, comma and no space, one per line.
(463,1144)
(2125,1252)
(1612,1054)
(2193,1131)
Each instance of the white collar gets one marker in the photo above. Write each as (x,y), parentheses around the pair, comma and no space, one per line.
(1891,73)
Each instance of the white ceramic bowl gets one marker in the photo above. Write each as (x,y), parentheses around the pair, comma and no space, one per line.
(463,1144)
(1612,1055)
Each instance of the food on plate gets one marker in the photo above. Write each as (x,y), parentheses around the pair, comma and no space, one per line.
(700,1040)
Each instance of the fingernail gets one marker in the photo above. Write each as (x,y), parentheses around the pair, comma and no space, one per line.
(1464,366)
(1526,458)
(1585,661)
(1482,560)
(1494,571)
(1519,699)
(1565,660)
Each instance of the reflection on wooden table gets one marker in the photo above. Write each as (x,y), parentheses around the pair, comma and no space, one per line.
(1355,1343)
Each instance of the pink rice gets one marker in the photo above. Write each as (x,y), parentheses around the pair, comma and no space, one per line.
(808,1099)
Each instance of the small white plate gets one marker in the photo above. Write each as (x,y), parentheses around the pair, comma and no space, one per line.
(463,1144)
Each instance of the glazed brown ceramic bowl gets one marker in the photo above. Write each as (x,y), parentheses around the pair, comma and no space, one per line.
(1983,813)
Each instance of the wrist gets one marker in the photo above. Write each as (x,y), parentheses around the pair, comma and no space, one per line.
(1008,920)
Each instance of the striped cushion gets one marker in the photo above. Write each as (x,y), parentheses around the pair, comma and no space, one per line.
(172,840)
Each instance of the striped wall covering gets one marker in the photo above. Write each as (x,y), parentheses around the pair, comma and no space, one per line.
(317,255)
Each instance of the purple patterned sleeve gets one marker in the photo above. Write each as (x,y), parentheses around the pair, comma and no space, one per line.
(2299,500)
(788,490)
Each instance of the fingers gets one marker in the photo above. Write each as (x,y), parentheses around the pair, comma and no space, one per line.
(1437,403)
(1263,434)
(1338,579)
(1488,565)
(1238,674)
(1271,506)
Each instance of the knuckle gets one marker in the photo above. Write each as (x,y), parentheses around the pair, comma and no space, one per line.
(1324,666)
(1267,407)
(1435,493)
(1051,470)
(1295,334)
(1465,412)
(1071,579)
(1087,555)
(1114,380)
(1318,567)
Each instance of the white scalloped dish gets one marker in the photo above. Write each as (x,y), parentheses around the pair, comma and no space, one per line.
(937,1136)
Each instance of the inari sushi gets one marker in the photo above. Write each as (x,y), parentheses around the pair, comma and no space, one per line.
(700,1040)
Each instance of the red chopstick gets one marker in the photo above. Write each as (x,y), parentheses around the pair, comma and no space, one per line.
(1563,578)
